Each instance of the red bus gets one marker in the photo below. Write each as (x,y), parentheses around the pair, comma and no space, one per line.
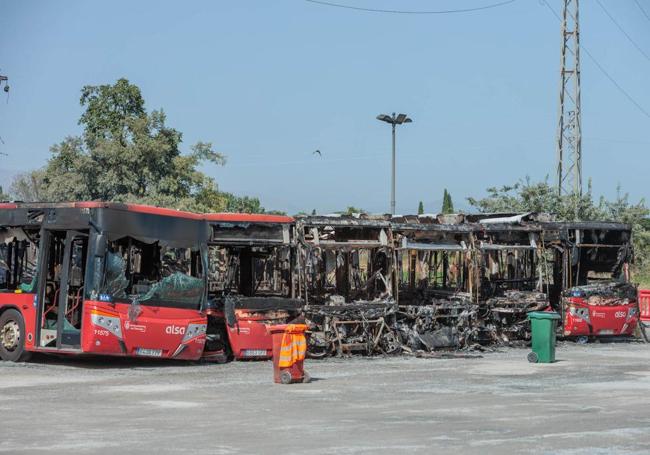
(597,299)
(102,278)
(251,279)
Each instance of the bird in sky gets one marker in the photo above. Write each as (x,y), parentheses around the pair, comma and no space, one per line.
(318,152)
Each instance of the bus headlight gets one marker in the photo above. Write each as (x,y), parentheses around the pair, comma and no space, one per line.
(110,323)
(193,331)
(631,313)
(582,313)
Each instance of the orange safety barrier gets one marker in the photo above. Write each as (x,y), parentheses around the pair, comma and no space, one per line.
(644,304)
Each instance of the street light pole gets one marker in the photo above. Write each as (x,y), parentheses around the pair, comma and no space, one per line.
(392,185)
(394,120)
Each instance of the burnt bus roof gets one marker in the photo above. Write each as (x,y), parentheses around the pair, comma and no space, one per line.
(143,222)
(229,217)
(588,225)
(378,222)
(249,229)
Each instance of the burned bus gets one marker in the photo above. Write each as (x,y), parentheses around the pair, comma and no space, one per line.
(437,281)
(252,280)
(348,276)
(591,282)
(514,271)
(101,278)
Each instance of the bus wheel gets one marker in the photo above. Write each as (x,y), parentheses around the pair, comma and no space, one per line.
(12,337)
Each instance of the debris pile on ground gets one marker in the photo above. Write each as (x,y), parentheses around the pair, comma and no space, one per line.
(508,315)
(351,328)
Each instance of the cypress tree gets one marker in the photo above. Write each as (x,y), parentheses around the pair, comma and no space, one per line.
(447,204)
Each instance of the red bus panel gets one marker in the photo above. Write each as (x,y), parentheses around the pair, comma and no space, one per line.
(155,332)
(583,319)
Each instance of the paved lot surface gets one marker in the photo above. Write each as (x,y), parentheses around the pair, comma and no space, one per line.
(596,399)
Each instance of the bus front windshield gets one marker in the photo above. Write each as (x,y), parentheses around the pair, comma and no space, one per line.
(154,274)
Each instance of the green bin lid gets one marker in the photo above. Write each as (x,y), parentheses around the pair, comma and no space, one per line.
(543,315)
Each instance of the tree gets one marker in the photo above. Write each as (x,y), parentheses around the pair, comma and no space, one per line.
(28,187)
(351,210)
(110,111)
(3,195)
(527,196)
(126,154)
(420,208)
(447,204)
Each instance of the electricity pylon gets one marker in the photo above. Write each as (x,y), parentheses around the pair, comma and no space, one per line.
(569,130)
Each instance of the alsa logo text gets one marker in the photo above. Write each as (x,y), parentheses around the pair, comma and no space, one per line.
(174,330)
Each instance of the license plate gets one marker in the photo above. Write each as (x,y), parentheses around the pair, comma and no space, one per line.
(148,352)
(606,332)
(254,353)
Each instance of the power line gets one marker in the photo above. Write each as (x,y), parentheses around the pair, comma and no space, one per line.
(392,11)
(602,69)
(629,38)
(642,10)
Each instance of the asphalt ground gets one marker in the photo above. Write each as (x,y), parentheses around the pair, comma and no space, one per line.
(595,399)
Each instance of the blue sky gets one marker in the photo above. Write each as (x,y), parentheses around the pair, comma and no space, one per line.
(268,82)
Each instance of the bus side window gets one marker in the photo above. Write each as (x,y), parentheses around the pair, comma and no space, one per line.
(18,255)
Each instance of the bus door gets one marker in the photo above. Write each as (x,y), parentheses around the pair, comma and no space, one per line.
(61,293)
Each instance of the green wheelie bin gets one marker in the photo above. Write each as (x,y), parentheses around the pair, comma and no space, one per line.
(542,325)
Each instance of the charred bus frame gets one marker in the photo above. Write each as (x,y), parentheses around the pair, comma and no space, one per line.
(347,270)
(252,280)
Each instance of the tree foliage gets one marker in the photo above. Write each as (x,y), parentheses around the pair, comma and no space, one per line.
(447,204)
(351,210)
(420,208)
(127,154)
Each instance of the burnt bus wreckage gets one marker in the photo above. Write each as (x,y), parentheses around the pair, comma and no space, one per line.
(124,279)
(347,267)
(252,265)
(382,284)
(591,281)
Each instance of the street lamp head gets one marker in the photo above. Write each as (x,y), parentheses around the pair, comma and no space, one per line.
(402,118)
(385,118)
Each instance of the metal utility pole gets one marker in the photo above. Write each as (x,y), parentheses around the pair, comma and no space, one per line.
(569,129)
(4,79)
(394,120)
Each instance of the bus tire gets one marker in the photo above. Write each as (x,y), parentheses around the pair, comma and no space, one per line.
(12,337)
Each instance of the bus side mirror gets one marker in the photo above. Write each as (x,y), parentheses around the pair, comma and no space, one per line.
(100,245)
(229,311)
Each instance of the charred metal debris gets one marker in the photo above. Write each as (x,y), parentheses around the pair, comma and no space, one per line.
(386,284)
